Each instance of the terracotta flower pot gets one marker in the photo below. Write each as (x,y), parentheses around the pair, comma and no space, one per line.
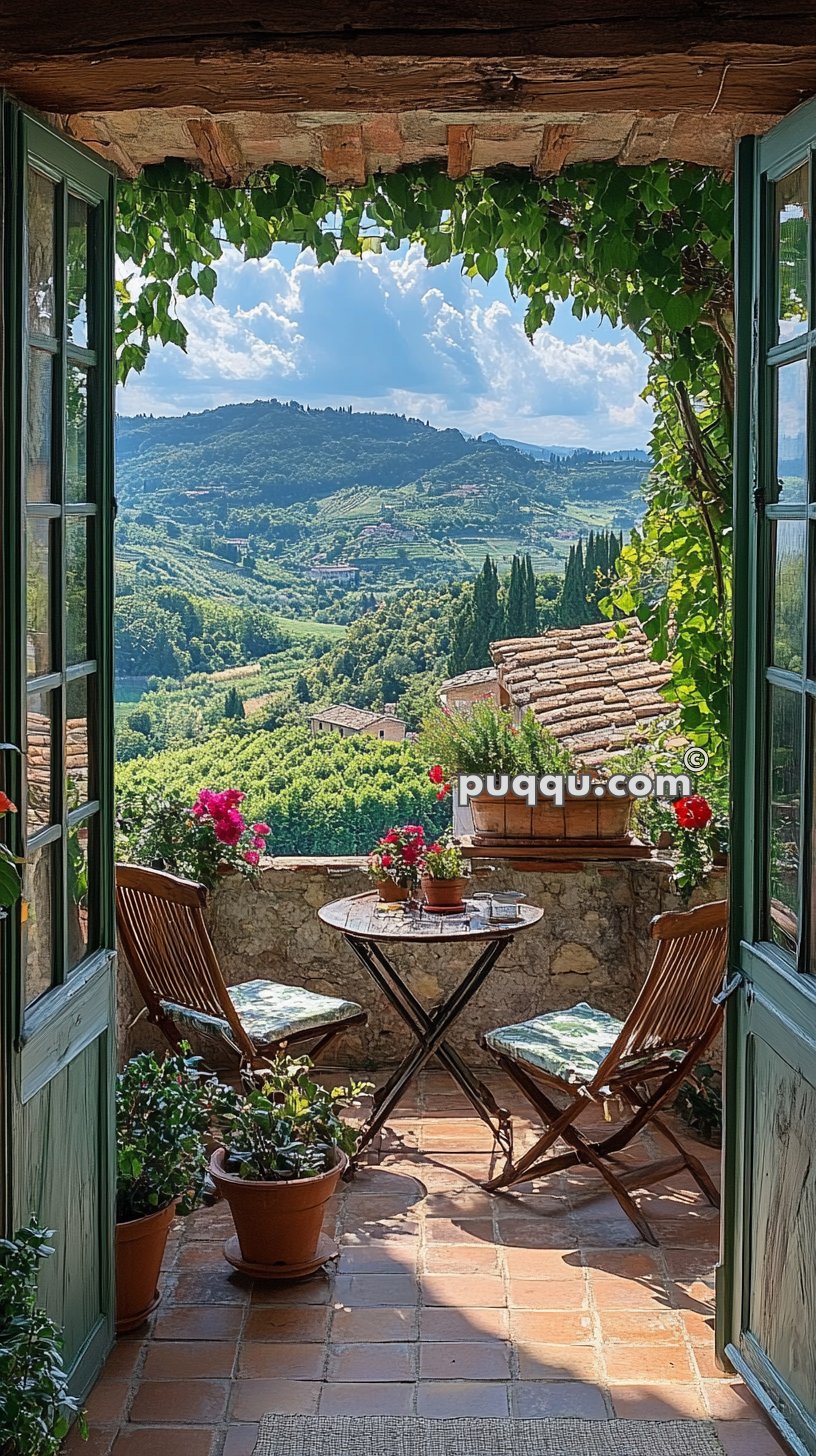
(390,892)
(444,894)
(278,1224)
(140,1245)
(498,820)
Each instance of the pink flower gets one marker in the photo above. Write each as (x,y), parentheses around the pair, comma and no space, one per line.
(229,827)
(251,856)
(231,797)
(261,829)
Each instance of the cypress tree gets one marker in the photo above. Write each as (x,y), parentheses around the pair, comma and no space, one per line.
(234,705)
(529,605)
(514,612)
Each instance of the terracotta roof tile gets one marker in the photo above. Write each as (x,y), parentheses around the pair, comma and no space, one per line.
(593,691)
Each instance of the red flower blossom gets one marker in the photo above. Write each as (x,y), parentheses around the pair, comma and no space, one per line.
(6,806)
(251,856)
(261,829)
(443,792)
(410,853)
(693,812)
(435,849)
(386,861)
(391,837)
(436,774)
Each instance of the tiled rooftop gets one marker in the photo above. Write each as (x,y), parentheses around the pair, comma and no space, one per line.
(593,691)
(445,1301)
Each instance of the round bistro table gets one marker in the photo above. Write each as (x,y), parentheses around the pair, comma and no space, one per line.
(371,929)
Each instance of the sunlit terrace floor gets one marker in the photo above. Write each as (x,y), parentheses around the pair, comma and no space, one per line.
(445,1301)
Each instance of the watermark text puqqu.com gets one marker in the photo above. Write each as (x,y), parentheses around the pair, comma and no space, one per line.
(556,788)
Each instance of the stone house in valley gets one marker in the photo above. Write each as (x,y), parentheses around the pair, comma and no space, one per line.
(342,718)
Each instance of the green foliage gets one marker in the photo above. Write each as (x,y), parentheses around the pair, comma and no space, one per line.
(319,794)
(165,632)
(700,1102)
(35,1404)
(589,577)
(443,860)
(9,874)
(486,740)
(289,1128)
(649,247)
(162,832)
(162,1119)
(234,705)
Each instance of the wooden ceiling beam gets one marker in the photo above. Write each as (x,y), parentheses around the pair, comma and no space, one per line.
(96,134)
(557,142)
(218,151)
(280,79)
(460,150)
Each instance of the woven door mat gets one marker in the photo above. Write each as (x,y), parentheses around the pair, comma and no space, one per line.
(281,1435)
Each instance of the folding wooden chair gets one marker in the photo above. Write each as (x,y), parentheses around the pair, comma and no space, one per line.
(568,1061)
(167,944)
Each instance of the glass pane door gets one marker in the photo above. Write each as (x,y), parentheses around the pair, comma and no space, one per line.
(62,488)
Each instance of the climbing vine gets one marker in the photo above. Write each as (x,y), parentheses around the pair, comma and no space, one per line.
(647,247)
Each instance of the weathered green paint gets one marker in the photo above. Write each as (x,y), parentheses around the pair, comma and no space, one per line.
(58,1055)
(766,1308)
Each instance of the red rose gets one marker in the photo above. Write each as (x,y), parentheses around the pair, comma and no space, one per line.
(693,812)
(436,774)
(386,861)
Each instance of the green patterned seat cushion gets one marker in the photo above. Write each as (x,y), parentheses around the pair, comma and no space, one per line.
(271,1012)
(567,1044)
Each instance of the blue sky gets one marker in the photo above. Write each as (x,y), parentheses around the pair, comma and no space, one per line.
(388,333)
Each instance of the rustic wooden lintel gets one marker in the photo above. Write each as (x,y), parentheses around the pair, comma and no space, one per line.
(218,151)
(460,150)
(557,141)
(342,155)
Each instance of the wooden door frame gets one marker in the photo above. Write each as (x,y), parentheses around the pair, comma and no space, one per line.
(37,1043)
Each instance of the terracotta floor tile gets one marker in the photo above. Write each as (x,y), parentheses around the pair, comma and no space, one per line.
(298,1323)
(441,1323)
(657,1402)
(277,1360)
(627,1264)
(198,1322)
(461,1259)
(99,1442)
(628,1364)
(197,1402)
(106,1402)
(123,1359)
(361,1363)
(373,1325)
(748,1438)
(311,1291)
(440,1398)
(540,1399)
(252,1399)
(465,1360)
(694,1294)
(367,1400)
(478,1231)
(543,1263)
(640,1326)
(189,1359)
(689,1263)
(469,1204)
(729,1400)
(604,1233)
(379,1257)
(698,1325)
(201,1254)
(241,1440)
(611,1293)
(546,1294)
(459,1292)
(557,1362)
(546,1232)
(374,1289)
(210,1286)
(551,1326)
(169,1440)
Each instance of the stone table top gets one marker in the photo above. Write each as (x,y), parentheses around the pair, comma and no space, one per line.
(365,917)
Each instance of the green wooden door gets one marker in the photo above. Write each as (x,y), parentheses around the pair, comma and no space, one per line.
(767,1285)
(58,1014)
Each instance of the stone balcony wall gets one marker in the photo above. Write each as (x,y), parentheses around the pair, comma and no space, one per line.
(591,945)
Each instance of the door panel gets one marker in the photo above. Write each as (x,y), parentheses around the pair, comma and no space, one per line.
(766,1316)
(58,1023)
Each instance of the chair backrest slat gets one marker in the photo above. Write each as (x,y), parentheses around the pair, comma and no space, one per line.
(168,946)
(674,1009)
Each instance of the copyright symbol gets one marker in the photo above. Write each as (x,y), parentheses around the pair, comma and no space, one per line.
(695,760)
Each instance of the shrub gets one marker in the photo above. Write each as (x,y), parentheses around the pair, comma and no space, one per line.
(486,740)
(162,1118)
(35,1406)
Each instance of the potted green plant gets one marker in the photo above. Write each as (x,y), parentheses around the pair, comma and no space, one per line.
(285,1147)
(36,1406)
(162,1119)
(394,862)
(486,740)
(199,841)
(443,880)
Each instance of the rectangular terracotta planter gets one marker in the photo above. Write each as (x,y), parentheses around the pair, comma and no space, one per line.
(496,821)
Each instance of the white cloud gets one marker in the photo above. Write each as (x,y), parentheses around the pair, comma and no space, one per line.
(386,333)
